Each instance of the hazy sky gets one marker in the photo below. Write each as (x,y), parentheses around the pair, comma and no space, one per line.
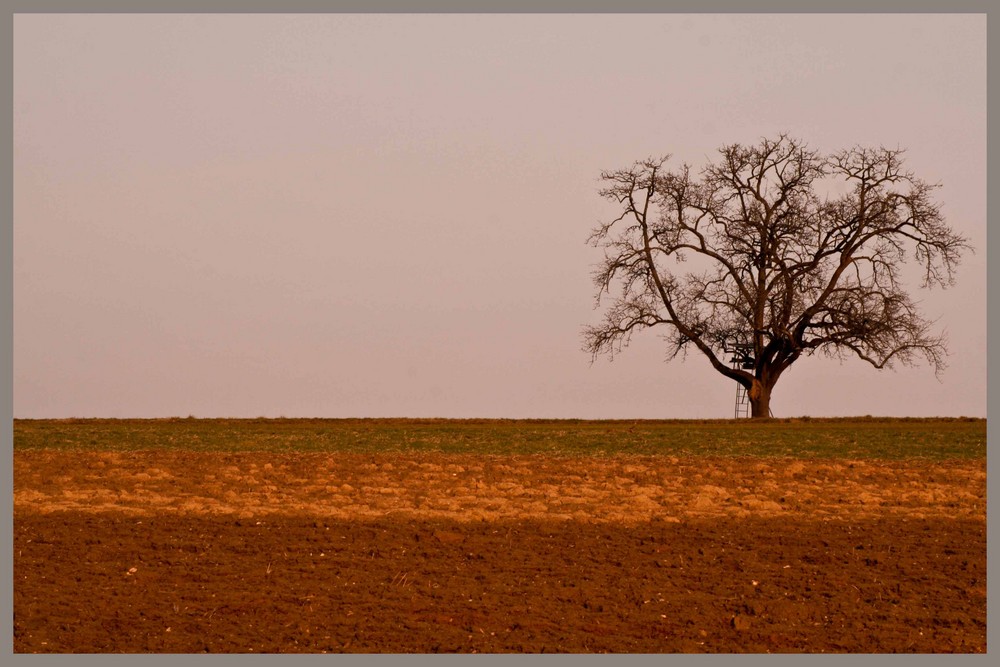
(386,215)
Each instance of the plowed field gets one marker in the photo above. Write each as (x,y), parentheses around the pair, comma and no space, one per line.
(179,551)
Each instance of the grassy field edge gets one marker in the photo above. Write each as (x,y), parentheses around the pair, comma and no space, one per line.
(858,437)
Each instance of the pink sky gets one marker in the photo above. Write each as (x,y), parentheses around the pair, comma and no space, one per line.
(385,215)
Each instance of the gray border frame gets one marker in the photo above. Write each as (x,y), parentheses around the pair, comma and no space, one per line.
(428,6)
(502,6)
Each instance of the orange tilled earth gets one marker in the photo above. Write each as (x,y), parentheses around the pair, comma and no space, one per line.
(181,552)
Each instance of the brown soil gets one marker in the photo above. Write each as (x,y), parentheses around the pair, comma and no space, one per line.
(187,552)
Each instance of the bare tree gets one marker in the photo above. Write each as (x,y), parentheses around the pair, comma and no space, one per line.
(773,262)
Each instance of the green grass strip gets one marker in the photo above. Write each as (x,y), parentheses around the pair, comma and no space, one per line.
(859,438)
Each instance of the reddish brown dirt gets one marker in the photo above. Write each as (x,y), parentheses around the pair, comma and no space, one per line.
(183,552)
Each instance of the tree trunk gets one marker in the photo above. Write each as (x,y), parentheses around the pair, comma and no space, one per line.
(760,400)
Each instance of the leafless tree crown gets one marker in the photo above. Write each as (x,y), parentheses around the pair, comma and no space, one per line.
(754,248)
